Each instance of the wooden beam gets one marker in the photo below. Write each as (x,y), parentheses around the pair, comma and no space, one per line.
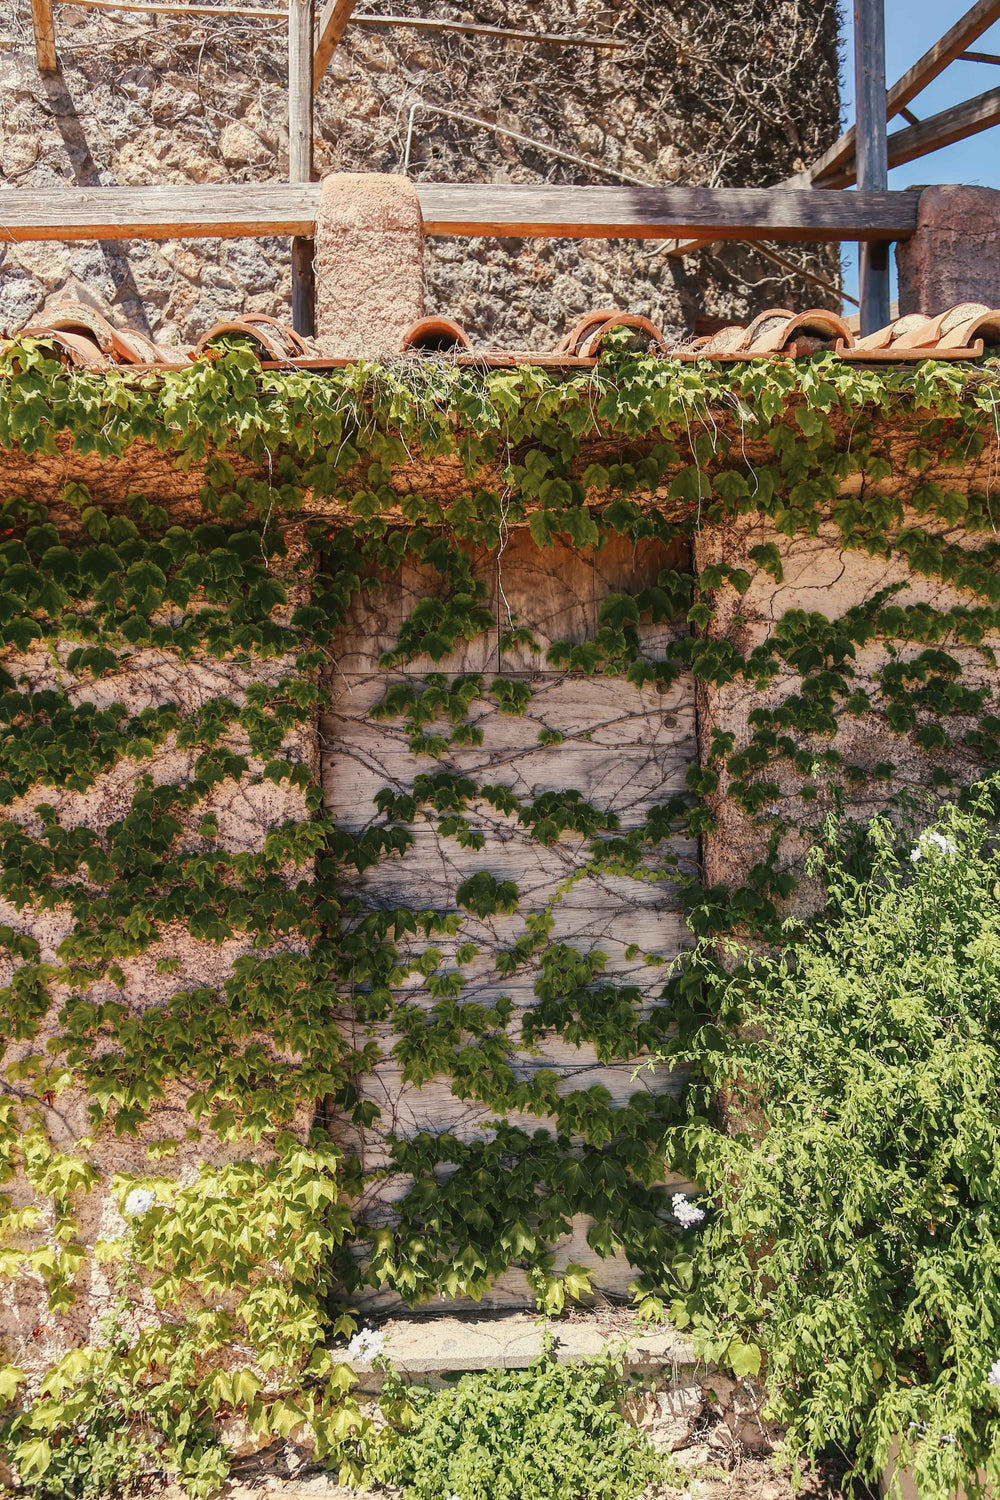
(209,210)
(233,209)
(168,8)
(300,154)
(475,28)
(655,213)
(987,57)
(332,25)
(45,36)
(872,154)
(417,23)
(953,124)
(914,80)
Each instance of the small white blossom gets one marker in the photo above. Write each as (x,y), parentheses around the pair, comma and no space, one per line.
(687,1213)
(932,845)
(993,1378)
(366,1345)
(139,1202)
(454,1497)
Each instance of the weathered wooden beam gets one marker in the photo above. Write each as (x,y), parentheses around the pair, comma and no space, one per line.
(476,28)
(872,153)
(332,25)
(45,36)
(953,124)
(664,213)
(207,211)
(234,209)
(950,47)
(987,57)
(300,154)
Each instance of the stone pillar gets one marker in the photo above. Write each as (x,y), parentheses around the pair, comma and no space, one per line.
(369,263)
(954,256)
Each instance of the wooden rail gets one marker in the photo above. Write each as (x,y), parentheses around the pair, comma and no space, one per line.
(237,209)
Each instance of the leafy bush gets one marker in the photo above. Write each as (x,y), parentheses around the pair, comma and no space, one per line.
(856,1238)
(551,1432)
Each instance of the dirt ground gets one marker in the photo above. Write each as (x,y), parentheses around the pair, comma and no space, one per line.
(713,1466)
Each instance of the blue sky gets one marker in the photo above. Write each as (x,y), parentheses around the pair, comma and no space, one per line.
(911,27)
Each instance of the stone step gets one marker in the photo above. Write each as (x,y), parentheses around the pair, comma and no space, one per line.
(430,1347)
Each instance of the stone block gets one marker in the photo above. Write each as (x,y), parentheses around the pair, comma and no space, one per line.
(369,264)
(954,256)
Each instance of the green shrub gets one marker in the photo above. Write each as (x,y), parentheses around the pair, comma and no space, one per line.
(551,1432)
(855,1240)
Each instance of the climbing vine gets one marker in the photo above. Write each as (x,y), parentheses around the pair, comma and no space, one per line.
(193,971)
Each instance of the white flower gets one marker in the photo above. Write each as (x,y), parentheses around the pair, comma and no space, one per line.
(931,845)
(454,1497)
(686,1212)
(993,1378)
(139,1202)
(366,1345)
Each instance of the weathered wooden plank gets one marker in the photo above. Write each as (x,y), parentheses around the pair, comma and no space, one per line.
(300,154)
(474,28)
(934,61)
(207,210)
(553,591)
(591,710)
(872,161)
(44,28)
(664,213)
(628,785)
(220,210)
(437,866)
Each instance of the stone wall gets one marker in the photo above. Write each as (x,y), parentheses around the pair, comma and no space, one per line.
(34,1330)
(717,94)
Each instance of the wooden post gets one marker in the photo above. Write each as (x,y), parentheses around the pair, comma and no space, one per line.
(872,152)
(45,36)
(300,150)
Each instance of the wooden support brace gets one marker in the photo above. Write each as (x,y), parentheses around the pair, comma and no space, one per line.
(956,123)
(332,25)
(45,36)
(872,153)
(300,151)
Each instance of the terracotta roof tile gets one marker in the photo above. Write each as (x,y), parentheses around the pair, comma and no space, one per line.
(434,335)
(88,341)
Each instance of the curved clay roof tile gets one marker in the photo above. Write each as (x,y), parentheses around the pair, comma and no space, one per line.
(583,327)
(80,349)
(981,329)
(273,339)
(817,323)
(646,334)
(884,338)
(435,335)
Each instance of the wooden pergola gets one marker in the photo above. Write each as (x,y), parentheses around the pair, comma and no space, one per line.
(811,207)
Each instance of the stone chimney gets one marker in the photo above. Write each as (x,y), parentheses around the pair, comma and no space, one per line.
(954,256)
(369,262)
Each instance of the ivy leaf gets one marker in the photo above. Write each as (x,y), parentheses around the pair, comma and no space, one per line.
(543,527)
(743,1359)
